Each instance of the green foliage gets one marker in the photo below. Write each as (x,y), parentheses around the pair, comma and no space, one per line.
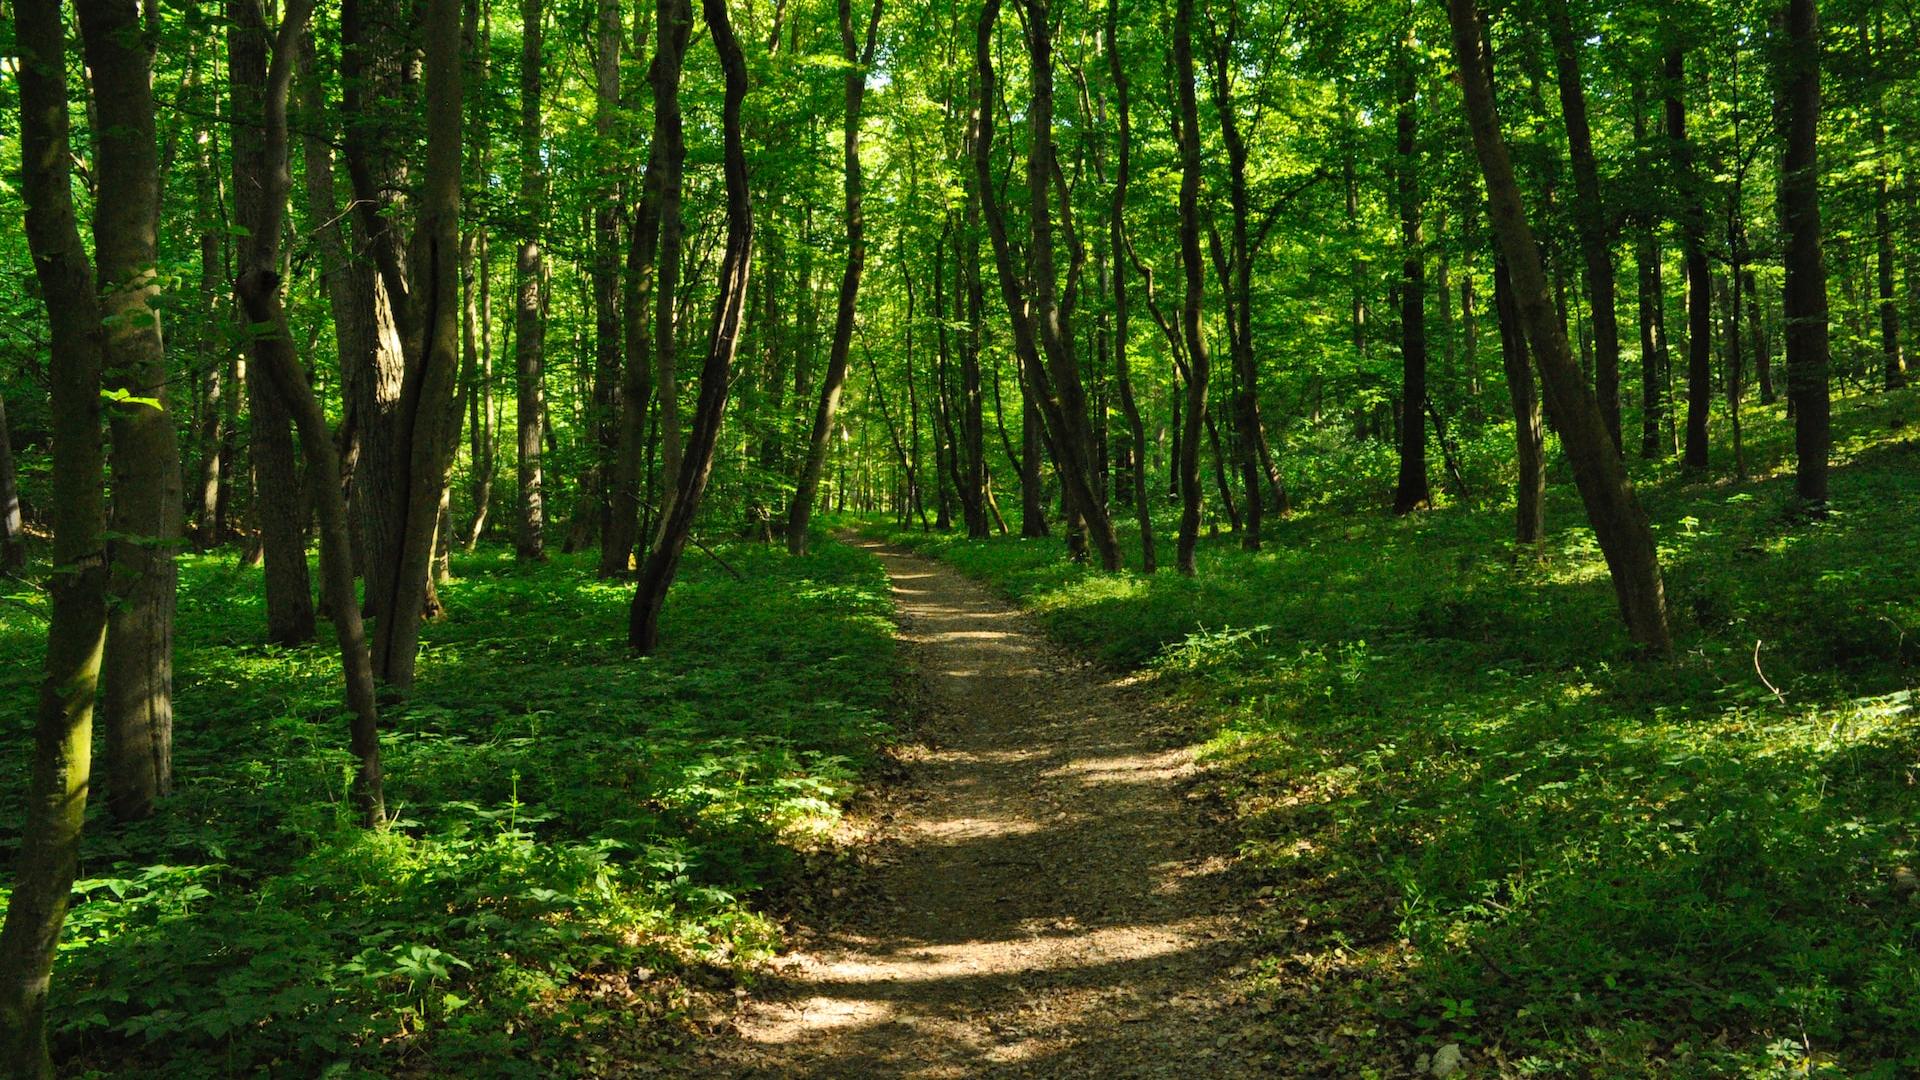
(569,822)
(1471,816)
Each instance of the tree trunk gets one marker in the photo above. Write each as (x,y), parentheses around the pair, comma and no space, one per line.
(1122,373)
(1198,361)
(214,352)
(606,253)
(1591,213)
(530,295)
(1893,364)
(283,535)
(1693,243)
(13,540)
(1530,486)
(807,484)
(676,526)
(1808,360)
(57,786)
(137,676)
(1613,510)
(1412,491)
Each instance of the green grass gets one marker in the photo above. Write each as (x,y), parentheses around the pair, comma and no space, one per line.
(579,834)
(1469,815)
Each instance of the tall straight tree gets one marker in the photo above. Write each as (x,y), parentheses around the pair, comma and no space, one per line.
(13,540)
(1039,308)
(137,680)
(1591,213)
(606,250)
(1613,510)
(1808,360)
(1191,329)
(723,341)
(1693,245)
(806,486)
(1117,242)
(530,292)
(58,785)
(1412,491)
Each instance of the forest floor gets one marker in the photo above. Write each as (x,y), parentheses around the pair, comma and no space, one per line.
(1047,896)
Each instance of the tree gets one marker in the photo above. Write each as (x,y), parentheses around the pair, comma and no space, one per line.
(1192,332)
(1411,492)
(1693,245)
(1808,361)
(1613,509)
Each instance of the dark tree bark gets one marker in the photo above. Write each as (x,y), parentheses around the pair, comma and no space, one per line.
(1412,491)
(1117,224)
(1039,308)
(205,494)
(1893,363)
(530,294)
(258,288)
(136,700)
(277,499)
(807,485)
(672,24)
(1530,459)
(676,526)
(1808,359)
(1613,510)
(1198,361)
(1652,319)
(606,253)
(1693,243)
(13,540)
(1591,212)
(57,787)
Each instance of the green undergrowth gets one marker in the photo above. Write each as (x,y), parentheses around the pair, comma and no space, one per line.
(1469,814)
(579,835)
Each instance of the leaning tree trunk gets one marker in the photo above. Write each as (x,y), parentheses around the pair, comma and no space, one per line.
(1592,216)
(258,288)
(807,485)
(530,293)
(1808,360)
(676,526)
(283,534)
(1613,510)
(57,786)
(137,677)
(1412,491)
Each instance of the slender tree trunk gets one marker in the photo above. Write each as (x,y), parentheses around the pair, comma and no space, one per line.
(676,527)
(1808,360)
(1122,372)
(1412,491)
(1653,334)
(1591,213)
(807,484)
(1693,242)
(58,785)
(1613,510)
(1198,361)
(1236,281)
(137,678)
(606,254)
(530,293)
(1893,364)
(214,352)
(13,540)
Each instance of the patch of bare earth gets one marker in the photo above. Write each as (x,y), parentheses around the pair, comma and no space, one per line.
(1044,898)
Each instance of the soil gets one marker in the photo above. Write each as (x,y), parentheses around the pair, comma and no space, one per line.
(1044,895)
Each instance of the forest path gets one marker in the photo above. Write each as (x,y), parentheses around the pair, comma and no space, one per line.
(1043,901)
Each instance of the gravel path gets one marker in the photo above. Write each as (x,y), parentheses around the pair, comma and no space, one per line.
(1043,899)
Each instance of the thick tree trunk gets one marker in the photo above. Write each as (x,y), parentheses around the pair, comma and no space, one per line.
(1412,491)
(676,526)
(137,677)
(1808,360)
(530,294)
(1591,213)
(1198,361)
(1122,373)
(58,785)
(1693,243)
(1613,510)
(807,484)
(277,500)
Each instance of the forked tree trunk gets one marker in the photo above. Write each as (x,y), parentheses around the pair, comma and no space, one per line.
(676,526)
(57,786)
(137,680)
(1613,510)
(258,288)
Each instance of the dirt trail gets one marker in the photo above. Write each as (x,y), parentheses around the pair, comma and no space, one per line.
(1045,901)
